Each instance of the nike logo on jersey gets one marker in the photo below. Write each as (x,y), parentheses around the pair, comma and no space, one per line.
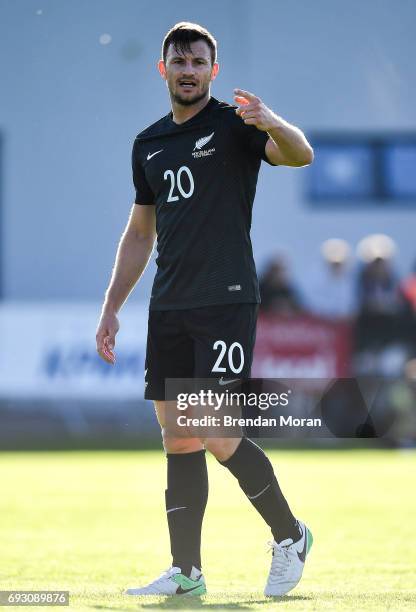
(201,142)
(227,382)
(150,155)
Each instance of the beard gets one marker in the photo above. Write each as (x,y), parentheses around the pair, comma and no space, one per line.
(185,101)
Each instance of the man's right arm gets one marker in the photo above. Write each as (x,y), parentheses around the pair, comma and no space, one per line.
(133,254)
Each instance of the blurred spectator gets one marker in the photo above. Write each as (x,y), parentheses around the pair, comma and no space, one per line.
(277,292)
(378,289)
(381,337)
(331,291)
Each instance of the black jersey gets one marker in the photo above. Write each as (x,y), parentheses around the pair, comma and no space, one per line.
(202,177)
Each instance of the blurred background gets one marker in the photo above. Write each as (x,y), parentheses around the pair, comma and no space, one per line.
(334,243)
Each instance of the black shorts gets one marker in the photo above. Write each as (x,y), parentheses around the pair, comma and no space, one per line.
(208,342)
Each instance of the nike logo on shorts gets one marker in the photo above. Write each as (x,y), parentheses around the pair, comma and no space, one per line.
(227,382)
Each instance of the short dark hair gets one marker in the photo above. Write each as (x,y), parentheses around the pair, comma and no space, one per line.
(183,34)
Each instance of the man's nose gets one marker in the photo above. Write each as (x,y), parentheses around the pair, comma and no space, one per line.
(188,69)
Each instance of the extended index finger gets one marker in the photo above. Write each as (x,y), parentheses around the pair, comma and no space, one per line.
(246,94)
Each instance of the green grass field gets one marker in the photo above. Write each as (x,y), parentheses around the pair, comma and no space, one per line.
(93,523)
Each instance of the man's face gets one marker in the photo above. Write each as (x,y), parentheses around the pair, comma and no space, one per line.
(188,76)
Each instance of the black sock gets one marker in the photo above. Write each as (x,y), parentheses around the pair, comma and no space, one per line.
(256,477)
(186,498)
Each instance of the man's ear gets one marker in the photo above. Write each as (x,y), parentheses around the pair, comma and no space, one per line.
(162,69)
(215,70)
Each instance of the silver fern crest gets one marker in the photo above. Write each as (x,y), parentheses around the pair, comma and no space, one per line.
(203,141)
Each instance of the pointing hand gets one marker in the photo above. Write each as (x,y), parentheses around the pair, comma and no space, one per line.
(254,112)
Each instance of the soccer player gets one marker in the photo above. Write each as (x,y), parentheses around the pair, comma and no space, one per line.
(195,173)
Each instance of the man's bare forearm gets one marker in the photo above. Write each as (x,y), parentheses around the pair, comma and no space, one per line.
(133,254)
(291,142)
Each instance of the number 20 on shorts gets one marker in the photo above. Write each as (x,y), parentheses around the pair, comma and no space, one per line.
(234,356)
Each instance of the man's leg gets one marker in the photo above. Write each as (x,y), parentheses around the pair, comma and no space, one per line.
(255,475)
(292,539)
(186,494)
(170,354)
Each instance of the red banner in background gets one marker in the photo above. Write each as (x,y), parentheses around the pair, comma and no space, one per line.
(302,347)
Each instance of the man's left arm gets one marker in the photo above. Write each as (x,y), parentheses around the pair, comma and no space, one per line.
(287,145)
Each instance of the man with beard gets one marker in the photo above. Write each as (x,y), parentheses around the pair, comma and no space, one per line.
(195,173)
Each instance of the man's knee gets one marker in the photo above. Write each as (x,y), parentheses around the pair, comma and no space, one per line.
(222,448)
(181,445)
(174,443)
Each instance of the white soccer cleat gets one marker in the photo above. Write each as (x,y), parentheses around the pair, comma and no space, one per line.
(288,561)
(173,582)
